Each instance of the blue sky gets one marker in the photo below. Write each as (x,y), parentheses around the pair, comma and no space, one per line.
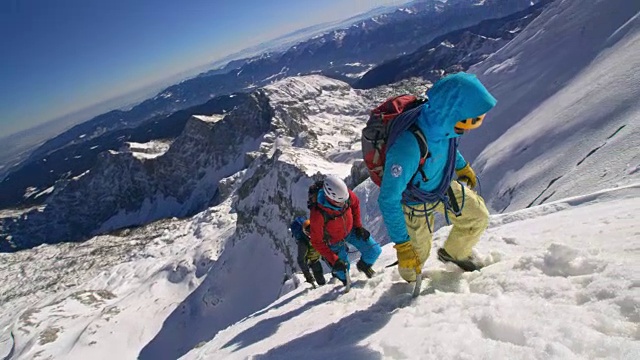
(60,56)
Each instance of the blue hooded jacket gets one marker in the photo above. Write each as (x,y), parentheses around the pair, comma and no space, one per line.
(453,98)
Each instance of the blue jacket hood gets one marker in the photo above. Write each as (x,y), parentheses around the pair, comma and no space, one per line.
(453,98)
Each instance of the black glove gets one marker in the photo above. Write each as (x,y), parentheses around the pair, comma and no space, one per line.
(362,233)
(339,265)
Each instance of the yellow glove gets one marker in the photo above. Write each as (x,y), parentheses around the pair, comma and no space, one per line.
(409,263)
(467,175)
(312,254)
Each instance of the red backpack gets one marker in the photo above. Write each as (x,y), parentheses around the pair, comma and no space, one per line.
(393,116)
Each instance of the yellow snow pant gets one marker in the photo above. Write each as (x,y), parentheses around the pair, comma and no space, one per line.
(465,233)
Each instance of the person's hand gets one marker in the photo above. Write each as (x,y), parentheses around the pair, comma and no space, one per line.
(409,264)
(362,233)
(339,265)
(467,175)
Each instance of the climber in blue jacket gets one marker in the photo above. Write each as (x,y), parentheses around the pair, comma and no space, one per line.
(457,104)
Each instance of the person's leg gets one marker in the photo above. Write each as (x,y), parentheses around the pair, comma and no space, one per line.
(303,249)
(340,249)
(318,273)
(313,261)
(369,249)
(419,235)
(469,226)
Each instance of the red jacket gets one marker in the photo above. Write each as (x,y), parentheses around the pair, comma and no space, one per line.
(335,229)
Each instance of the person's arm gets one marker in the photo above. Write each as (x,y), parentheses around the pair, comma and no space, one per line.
(317,235)
(460,161)
(355,209)
(465,172)
(401,162)
(302,256)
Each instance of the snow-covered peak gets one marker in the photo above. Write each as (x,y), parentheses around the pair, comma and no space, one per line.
(301,87)
(319,114)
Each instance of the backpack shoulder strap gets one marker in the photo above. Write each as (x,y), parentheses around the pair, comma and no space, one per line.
(424,151)
(328,217)
(422,142)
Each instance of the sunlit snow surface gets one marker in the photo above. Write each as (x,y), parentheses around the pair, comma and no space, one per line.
(568,115)
(566,285)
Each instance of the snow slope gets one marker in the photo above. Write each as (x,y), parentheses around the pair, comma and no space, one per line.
(567,287)
(567,119)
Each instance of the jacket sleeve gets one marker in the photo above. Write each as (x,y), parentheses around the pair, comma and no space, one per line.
(460,161)
(302,256)
(401,163)
(317,234)
(355,209)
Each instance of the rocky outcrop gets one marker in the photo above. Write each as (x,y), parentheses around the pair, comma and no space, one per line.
(124,190)
(316,131)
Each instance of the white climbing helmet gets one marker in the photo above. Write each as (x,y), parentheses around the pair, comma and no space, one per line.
(335,189)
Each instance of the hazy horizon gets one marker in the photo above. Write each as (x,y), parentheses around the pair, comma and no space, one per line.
(72,57)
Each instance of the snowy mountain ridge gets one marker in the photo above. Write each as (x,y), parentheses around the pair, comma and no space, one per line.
(173,284)
(315,114)
(124,189)
(170,286)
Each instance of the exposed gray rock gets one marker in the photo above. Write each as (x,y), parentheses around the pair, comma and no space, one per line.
(124,190)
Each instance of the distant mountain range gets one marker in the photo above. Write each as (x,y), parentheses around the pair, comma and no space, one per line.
(342,53)
(144,182)
(452,52)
